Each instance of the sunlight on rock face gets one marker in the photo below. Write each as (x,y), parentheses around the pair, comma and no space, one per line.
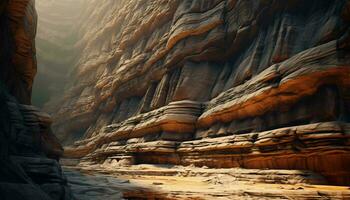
(206,84)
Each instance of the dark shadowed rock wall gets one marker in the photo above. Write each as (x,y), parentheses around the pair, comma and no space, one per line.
(220,83)
(29,151)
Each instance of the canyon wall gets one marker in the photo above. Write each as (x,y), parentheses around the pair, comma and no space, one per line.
(29,151)
(217,83)
(18,51)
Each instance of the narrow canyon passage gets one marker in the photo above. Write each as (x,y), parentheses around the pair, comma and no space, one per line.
(174,99)
(210,83)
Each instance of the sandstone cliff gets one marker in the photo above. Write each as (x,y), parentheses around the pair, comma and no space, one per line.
(218,83)
(18,48)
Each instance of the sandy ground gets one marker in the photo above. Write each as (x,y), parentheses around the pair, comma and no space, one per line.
(164,182)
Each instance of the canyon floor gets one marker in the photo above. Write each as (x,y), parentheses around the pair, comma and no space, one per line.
(177,182)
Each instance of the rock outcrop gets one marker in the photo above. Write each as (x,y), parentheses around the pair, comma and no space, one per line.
(29,151)
(219,83)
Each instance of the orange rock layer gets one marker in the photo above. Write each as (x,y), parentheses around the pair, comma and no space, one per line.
(22,19)
(203,82)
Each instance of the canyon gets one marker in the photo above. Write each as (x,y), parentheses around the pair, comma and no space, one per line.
(181,99)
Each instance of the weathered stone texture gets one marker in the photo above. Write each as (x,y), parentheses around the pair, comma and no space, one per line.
(18,42)
(211,82)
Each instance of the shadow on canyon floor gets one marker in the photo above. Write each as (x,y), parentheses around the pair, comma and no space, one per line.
(176,182)
(95,186)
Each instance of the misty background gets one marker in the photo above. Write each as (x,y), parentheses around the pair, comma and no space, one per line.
(57,36)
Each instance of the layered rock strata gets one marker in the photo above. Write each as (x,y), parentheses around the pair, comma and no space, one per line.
(219,83)
(29,151)
(18,47)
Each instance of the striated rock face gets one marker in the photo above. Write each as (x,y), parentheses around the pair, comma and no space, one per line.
(29,151)
(18,47)
(219,83)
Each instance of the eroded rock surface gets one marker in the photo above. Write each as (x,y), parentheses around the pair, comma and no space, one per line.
(18,31)
(218,83)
